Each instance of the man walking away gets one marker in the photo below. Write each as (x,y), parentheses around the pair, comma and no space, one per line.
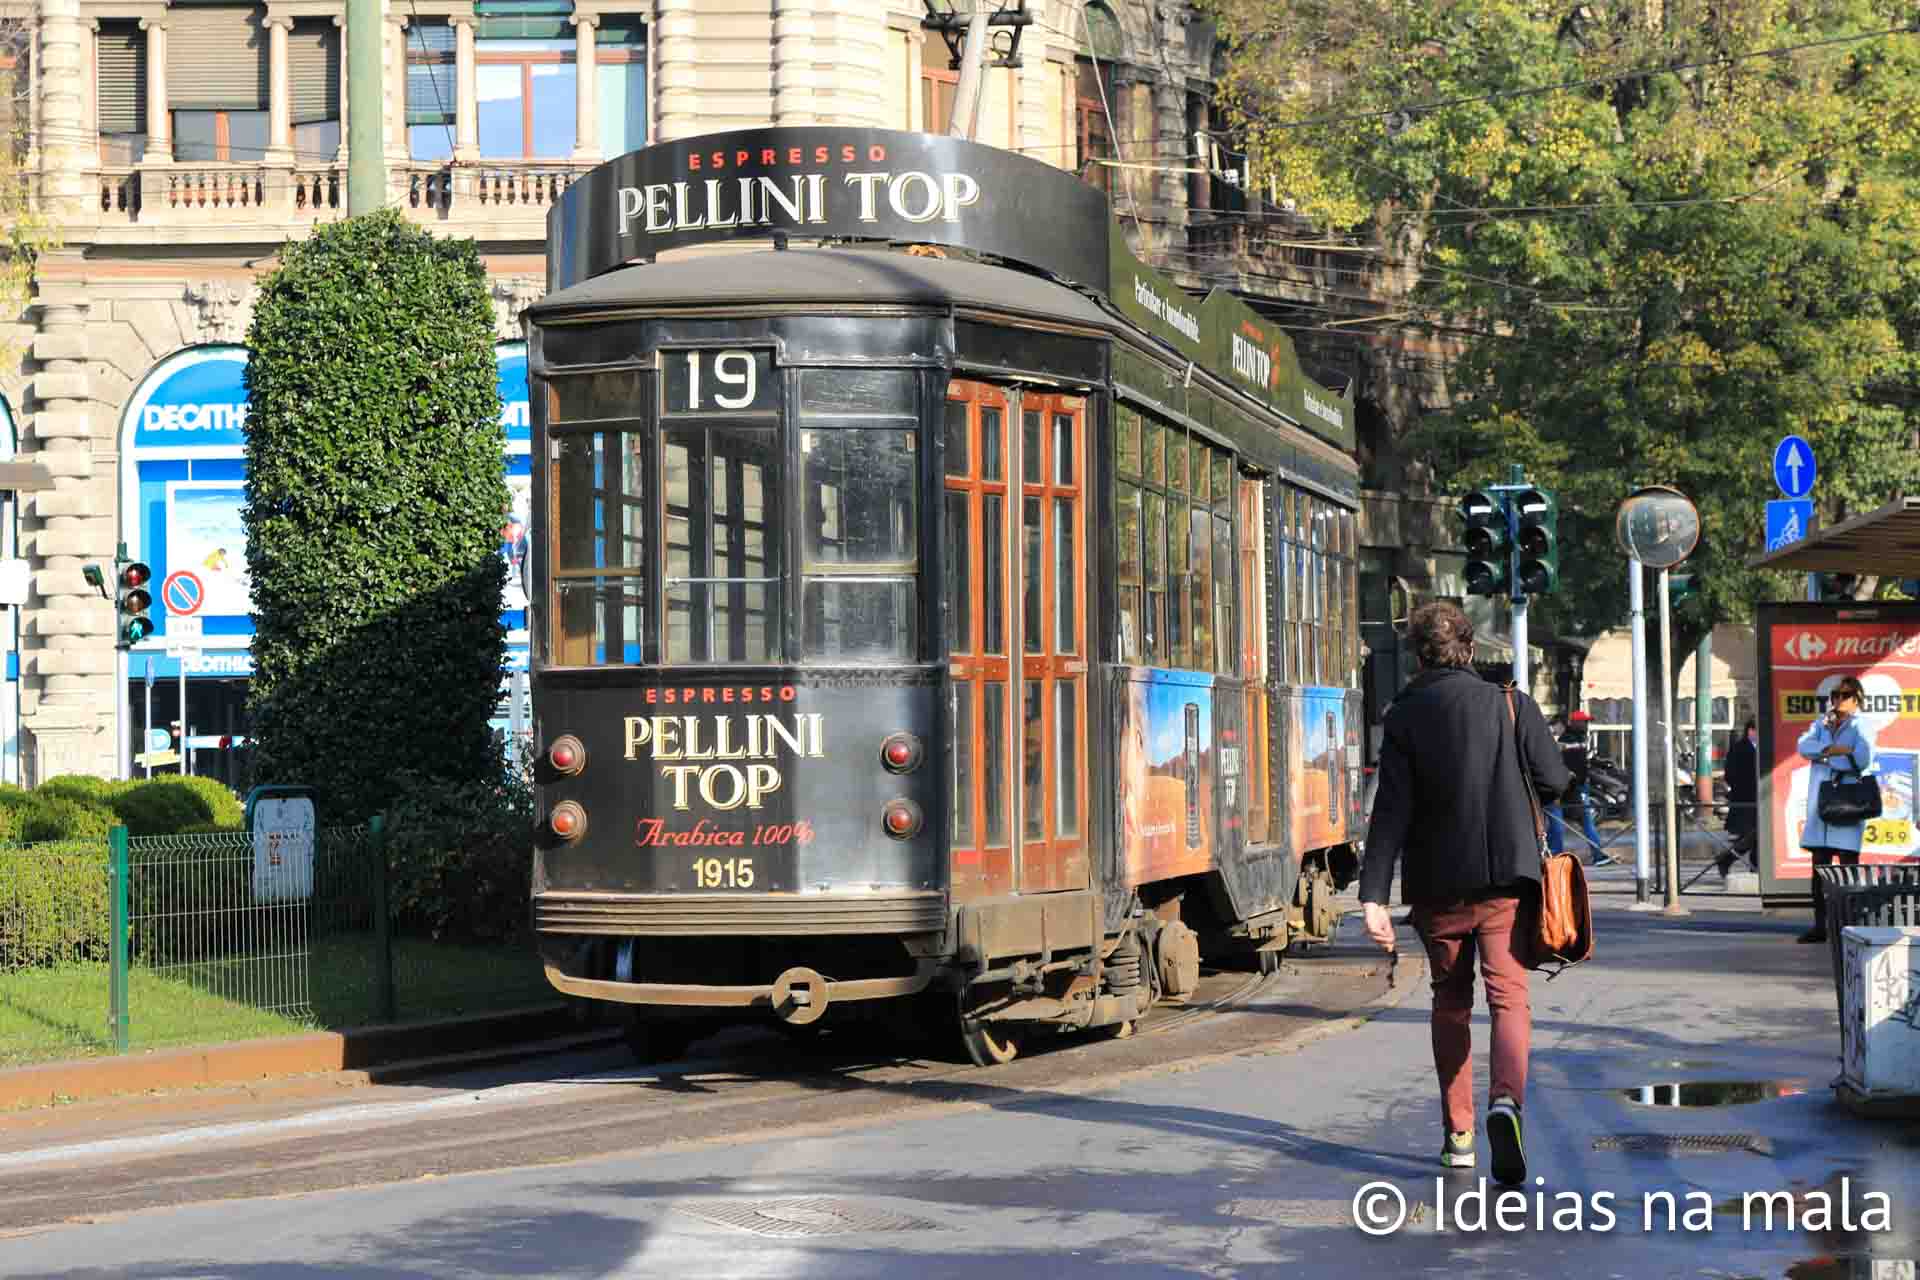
(1453,814)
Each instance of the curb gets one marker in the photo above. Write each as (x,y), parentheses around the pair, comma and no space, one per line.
(385,1052)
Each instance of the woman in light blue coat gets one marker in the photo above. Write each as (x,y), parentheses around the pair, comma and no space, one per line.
(1839,745)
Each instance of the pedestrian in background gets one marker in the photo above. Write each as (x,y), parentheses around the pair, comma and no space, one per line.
(1555,814)
(1576,752)
(1452,813)
(1742,772)
(1838,744)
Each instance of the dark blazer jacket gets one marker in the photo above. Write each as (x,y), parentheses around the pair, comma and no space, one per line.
(1451,811)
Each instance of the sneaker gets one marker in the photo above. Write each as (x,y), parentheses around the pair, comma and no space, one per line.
(1604,859)
(1458,1151)
(1503,1131)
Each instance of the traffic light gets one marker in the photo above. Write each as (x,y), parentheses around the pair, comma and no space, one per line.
(1487,543)
(133,603)
(1538,516)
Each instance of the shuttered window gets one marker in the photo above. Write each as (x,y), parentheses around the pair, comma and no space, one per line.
(216,59)
(122,77)
(313,67)
(431,89)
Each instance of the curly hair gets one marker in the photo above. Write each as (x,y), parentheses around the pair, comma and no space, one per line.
(1442,635)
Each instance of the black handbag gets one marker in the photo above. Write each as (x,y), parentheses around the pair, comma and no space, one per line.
(1848,802)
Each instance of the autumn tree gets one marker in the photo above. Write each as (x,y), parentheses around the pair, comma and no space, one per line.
(1670,233)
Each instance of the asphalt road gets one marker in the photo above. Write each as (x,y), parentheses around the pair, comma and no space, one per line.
(126,1186)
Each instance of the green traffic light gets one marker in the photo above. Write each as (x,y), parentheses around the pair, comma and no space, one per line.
(136,630)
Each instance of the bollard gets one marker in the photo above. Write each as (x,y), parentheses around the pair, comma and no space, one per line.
(382,920)
(117,873)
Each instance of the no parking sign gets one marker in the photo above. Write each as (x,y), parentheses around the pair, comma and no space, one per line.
(183,593)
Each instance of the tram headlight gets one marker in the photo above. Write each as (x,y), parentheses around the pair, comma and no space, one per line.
(568,820)
(902,819)
(567,755)
(901,753)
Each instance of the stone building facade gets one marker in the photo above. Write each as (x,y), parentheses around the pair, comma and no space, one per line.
(178,147)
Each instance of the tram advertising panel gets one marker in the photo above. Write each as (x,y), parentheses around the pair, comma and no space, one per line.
(1804,651)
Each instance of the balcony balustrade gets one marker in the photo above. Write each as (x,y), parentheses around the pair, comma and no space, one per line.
(236,196)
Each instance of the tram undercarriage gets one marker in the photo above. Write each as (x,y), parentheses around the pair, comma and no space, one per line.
(979,981)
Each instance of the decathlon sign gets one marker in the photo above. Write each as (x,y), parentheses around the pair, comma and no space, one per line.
(196,399)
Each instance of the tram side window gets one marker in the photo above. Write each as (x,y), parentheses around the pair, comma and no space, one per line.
(1173,523)
(1127,517)
(859,452)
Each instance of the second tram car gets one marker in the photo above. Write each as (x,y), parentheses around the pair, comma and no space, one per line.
(971,626)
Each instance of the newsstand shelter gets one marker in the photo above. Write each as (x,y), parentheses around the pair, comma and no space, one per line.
(1803,651)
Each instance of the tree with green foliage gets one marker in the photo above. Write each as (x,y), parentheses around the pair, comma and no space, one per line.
(1665,235)
(373,504)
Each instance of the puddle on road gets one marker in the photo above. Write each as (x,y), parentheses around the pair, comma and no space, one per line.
(1712,1093)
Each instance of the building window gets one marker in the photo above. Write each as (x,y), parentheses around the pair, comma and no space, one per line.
(313,77)
(1095,104)
(526,80)
(432,91)
(217,84)
(939,84)
(120,80)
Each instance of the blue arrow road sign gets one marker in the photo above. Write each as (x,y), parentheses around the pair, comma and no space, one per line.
(1788,522)
(1794,469)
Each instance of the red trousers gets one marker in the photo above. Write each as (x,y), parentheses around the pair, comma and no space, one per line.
(1453,932)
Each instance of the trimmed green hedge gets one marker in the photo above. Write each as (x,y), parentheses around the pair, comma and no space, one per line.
(374,498)
(54,907)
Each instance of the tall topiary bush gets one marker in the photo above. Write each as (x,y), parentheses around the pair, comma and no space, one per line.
(374,494)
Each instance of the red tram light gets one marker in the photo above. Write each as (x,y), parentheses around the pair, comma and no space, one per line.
(901,818)
(901,753)
(568,820)
(567,755)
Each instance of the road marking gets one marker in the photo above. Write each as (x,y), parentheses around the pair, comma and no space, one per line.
(370,1114)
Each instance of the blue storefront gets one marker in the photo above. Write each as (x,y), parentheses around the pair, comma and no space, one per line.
(182,490)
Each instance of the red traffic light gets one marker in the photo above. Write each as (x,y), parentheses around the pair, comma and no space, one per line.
(134,575)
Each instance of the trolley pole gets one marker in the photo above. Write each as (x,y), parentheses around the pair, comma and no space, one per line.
(1642,861)
(1673,907)
(973,63)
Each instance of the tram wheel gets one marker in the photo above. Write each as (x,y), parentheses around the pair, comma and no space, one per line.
(653,1040)
(1269,962)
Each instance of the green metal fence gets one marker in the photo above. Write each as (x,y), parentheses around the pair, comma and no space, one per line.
(138,943)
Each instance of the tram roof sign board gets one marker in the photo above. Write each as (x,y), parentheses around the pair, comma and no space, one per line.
(826,182)
(829,183)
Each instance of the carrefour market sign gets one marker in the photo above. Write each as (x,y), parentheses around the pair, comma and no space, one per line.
(198,400)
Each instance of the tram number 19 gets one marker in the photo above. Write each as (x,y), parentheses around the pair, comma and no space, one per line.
(723,873)
(725,381)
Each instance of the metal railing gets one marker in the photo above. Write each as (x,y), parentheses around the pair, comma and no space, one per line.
(113,944)
(1871,895)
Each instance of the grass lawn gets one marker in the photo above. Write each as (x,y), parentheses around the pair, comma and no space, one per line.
(61,1012)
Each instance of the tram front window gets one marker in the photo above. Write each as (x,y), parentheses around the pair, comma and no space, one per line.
(860,522)
(600,521)
(723,544)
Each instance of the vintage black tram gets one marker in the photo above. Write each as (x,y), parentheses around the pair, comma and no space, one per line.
(954,612)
